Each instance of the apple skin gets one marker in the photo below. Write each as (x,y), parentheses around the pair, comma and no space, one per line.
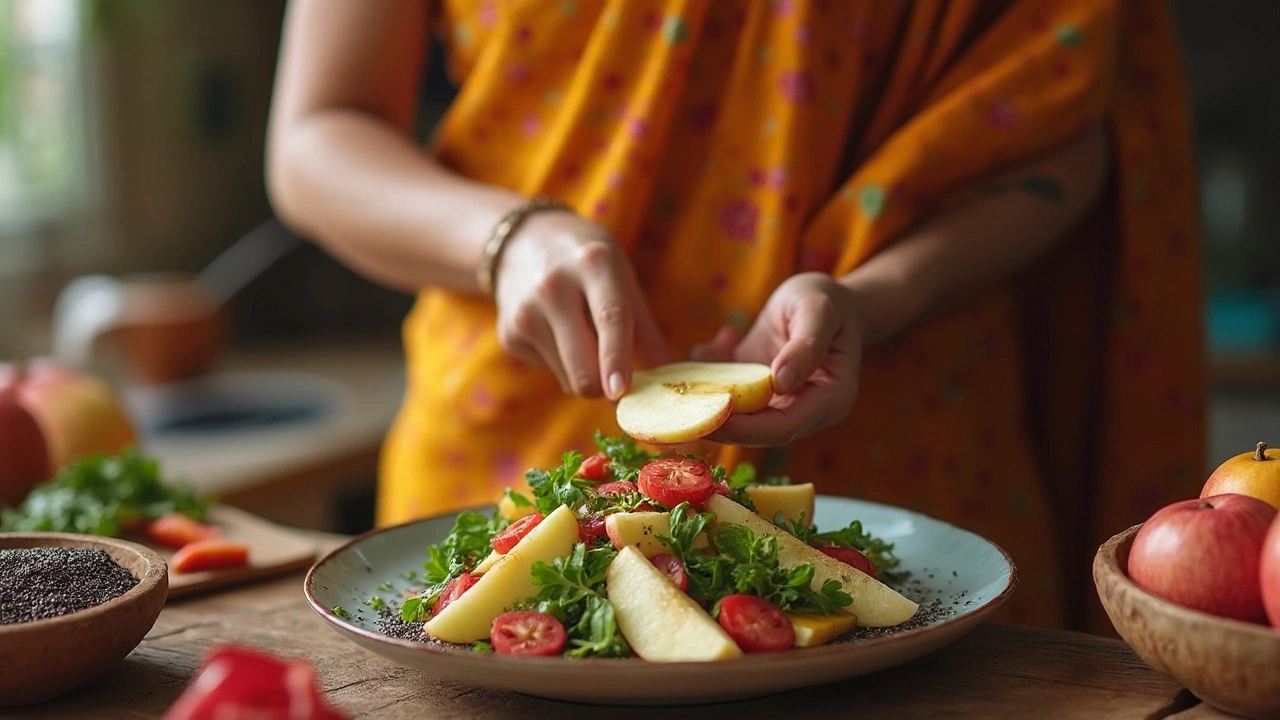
(24,456)
(1255,473)
(78,414)
(1205,554)
(1269,573)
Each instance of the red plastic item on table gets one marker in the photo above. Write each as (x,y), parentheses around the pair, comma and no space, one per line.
(240,683)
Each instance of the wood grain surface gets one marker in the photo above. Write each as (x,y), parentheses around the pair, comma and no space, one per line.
(995,672)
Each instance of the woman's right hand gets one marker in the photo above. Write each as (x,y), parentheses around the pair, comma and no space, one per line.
(569,300)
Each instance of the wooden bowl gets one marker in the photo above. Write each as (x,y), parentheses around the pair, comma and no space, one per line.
(1231,665)
(43,659)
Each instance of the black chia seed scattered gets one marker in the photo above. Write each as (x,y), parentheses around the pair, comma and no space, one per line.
(41,583)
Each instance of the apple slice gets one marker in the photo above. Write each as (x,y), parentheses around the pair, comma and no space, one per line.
(509,581)
(685,401)
(874,603)
(790,500)
(661,623)
(640,530)
(814,630)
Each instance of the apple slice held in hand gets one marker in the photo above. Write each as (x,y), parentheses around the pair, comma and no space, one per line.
(685,401)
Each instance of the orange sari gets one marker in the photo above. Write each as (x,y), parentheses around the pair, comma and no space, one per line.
(728,145)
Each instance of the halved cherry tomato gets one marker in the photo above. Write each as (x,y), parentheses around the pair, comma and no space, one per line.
(210,554)
(591,527)
(672,481)
(175,530)
(595,468)
(617,487)
(527,632)
(671,566)
(508,536)
(756,624)
(453,591)
(849,556)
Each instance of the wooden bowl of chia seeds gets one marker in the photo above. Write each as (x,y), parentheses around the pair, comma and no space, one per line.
(71,607)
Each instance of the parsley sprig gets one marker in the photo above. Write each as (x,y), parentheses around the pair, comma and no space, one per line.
(879,552)
(744,563)
(466,545)
(625,456)
(573,590)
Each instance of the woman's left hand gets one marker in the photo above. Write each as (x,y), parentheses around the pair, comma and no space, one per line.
(810,335)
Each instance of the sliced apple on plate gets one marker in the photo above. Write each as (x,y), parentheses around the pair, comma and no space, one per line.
(640,530)
(659,621)
(790,500)
(508,581)
(874,603)
(685,401)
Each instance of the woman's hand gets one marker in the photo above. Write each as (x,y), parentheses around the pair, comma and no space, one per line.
(810,335)
(568,299)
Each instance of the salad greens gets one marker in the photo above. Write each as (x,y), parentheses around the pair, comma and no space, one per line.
(465,546)
(573,590)
(879,552)
(103,495)
(744,563)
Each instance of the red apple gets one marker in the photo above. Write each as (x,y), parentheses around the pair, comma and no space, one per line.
(24,457)
(1204,554)
(1255,473)
(1269,573)
(77,413)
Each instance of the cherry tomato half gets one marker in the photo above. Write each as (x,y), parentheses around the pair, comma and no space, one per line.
(595,468)
(849,556)
(671,566)
(591,527)
(617,487)
(756,624)
(527,632)
(453,591)
(514,533)
(672,481)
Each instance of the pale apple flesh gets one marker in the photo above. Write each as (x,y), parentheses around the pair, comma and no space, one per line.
(659,621)
(874,603)
(683,402)
(640,530)
(510,580)
(790,500)
(814,630)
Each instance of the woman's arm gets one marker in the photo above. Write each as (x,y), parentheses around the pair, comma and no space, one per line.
(813,329)
(342,166)
(343,169)
(963,251)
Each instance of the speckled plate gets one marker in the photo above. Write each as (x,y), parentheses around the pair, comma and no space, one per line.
(963,575)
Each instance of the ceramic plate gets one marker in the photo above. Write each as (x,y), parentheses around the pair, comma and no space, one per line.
(964,576)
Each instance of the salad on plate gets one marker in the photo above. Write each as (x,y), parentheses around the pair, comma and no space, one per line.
(628,553)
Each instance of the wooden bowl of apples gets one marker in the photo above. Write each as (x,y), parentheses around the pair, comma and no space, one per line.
(1231,664)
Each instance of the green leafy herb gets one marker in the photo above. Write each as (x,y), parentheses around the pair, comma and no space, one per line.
(341,612)
(103,495)
(465,546)
(573,590)
(482,647)
(377,603)
(879,552)
(625,456)
(560,486)
(385,587)
(745,563)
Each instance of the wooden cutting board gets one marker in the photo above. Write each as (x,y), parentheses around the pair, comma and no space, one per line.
(273,550)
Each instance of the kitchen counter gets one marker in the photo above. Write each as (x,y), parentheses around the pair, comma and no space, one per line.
(293,473)
(994,672)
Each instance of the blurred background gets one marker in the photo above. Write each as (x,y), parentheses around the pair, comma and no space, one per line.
(131,142)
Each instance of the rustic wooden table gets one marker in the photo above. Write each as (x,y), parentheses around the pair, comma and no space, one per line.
(994,672)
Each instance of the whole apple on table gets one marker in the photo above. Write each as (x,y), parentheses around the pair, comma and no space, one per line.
(1219,553)
(51,415)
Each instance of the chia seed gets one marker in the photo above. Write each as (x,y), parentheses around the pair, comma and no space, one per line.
(41,583)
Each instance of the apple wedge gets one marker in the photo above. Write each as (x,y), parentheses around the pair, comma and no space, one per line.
(685,401)
(874,603)
(640,530)
(814,630)
(509,581)
(790,500)
(661,623)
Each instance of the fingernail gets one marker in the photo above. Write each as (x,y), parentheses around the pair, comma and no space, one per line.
(616,385)
(784,379)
